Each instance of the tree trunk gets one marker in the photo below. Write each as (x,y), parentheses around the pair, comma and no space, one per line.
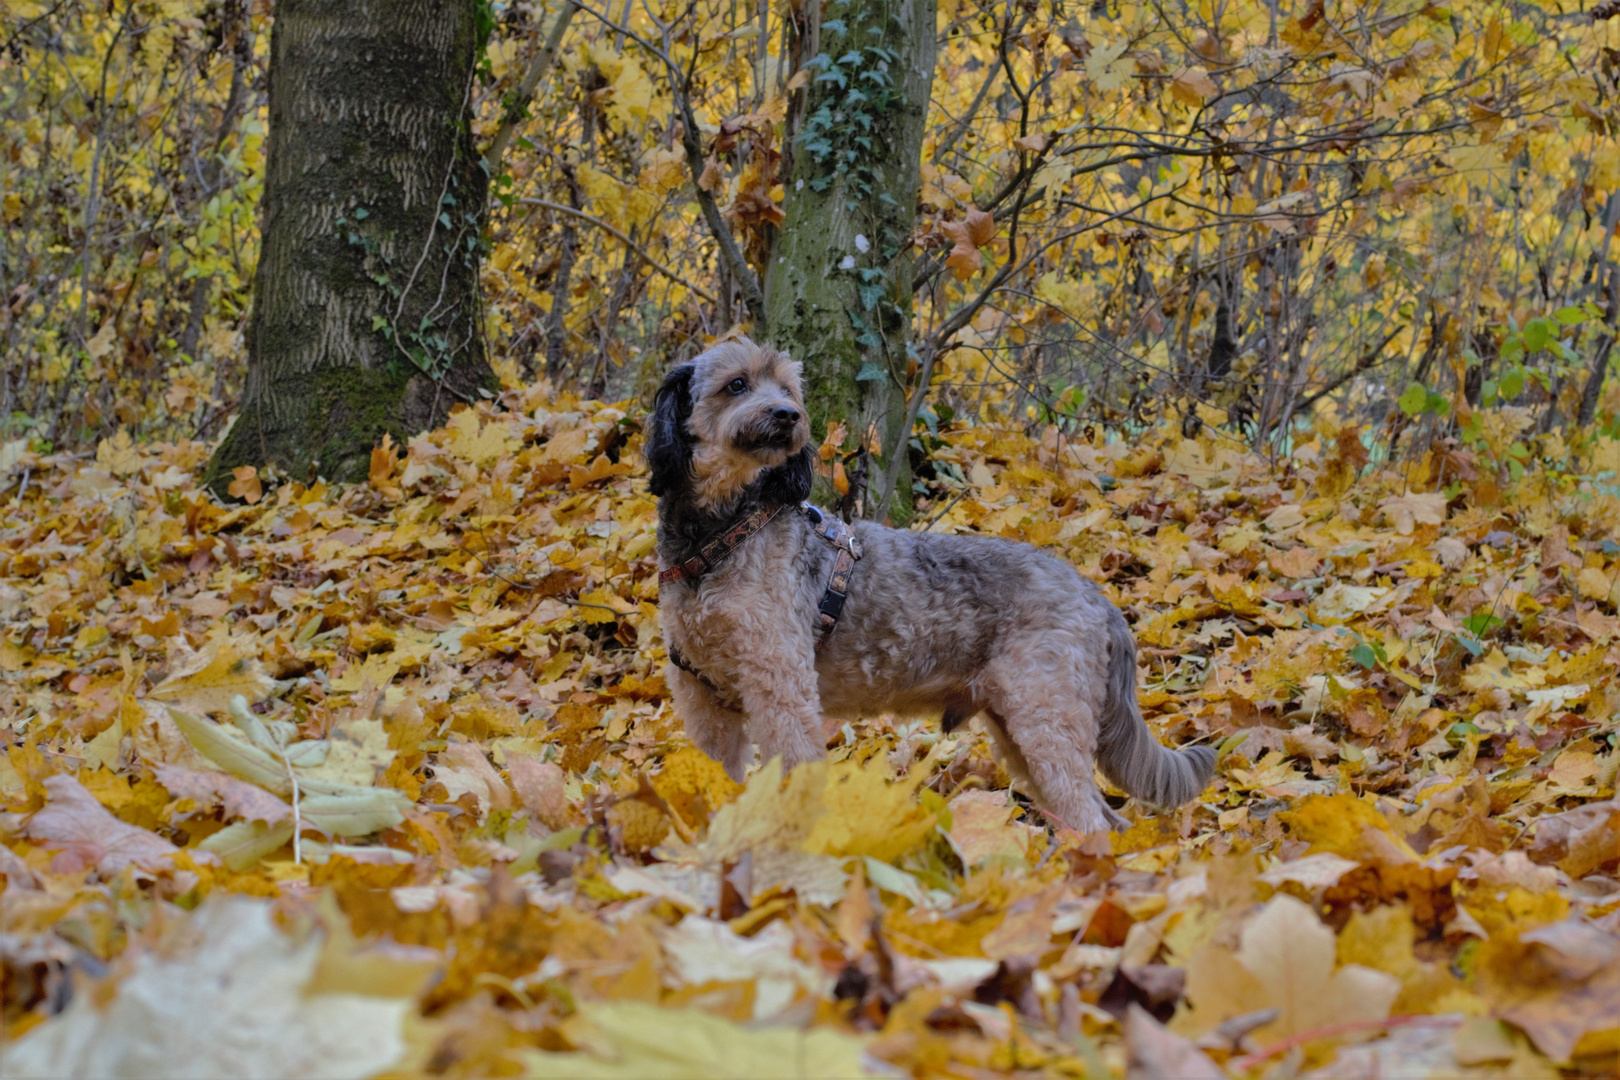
(838,292)
(366,317)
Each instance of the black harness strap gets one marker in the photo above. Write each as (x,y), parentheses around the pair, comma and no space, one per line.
(725,699)
(842,538)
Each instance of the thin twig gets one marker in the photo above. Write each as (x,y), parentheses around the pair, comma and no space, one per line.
(298,825)
(629,243)
(1349,1027)
(680,88)
(538,70)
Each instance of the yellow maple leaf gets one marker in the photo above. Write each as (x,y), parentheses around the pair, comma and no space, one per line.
(118,454)
(479,443)
(867,813)
(1285,961)
(1416,508)
(206,681)
(634,1041)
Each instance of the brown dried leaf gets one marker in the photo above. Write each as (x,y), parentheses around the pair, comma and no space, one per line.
(217,790)
(73,822)
(1579,841)
(246,485)
(1193,86)
(1154,1052)
(539,787)
(464,770)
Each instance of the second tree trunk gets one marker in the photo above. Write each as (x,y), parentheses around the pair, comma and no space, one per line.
(838,289)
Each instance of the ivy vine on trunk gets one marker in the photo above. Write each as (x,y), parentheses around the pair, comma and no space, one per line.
(838,291)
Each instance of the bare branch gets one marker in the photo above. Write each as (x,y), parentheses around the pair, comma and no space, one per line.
(680,90)
(640,251)
(538,70)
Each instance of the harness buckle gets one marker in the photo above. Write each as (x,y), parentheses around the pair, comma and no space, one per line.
(832,605)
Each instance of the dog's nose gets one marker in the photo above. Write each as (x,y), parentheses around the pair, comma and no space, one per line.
(786,415)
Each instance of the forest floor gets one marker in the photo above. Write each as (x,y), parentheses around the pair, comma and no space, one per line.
(447,684)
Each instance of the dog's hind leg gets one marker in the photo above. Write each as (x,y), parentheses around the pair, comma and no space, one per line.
(713,728)
(1050,712)
(1051,770)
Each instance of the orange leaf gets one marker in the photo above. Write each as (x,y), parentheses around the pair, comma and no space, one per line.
(981,227)
(246,486)
(840,478)
(383,462)
(964,260)
(713,180)
(1033,143)
(1193,86)
(835,438)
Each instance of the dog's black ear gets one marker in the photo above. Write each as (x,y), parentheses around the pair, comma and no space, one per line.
(668,446)
(789,482)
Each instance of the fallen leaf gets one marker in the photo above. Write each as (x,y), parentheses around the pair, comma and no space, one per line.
(84,834)
(1579,841)
(540,787)
(1417,508)
(1153,1052)
(1285,960)
(633,1041)
(702,951)
(217,790)
(982,827)
(357,753)
(224,996)
(207,680)
(245,485)
(1559,983)
(464,770)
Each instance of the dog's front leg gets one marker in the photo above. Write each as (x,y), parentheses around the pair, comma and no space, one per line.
(713,728)
(779,693)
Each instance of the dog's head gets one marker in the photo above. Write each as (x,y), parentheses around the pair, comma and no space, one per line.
(730,417)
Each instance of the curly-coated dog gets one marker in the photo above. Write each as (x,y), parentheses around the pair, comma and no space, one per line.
(763,640)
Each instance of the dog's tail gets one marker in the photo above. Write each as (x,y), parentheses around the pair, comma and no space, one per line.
(1127,751)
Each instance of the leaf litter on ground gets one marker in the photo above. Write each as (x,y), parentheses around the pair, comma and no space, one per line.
(393,770)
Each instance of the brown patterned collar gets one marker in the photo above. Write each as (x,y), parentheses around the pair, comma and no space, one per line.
(715,551)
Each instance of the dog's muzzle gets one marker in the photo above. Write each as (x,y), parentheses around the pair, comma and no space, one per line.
(775,431)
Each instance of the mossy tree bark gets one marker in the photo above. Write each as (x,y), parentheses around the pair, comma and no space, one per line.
(366,318)
(838,291)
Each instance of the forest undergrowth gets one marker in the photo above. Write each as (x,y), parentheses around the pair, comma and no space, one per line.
(385,777)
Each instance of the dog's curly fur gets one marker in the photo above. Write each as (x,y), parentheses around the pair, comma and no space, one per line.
(956,625)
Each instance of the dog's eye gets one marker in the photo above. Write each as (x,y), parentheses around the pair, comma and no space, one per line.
(737,385)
